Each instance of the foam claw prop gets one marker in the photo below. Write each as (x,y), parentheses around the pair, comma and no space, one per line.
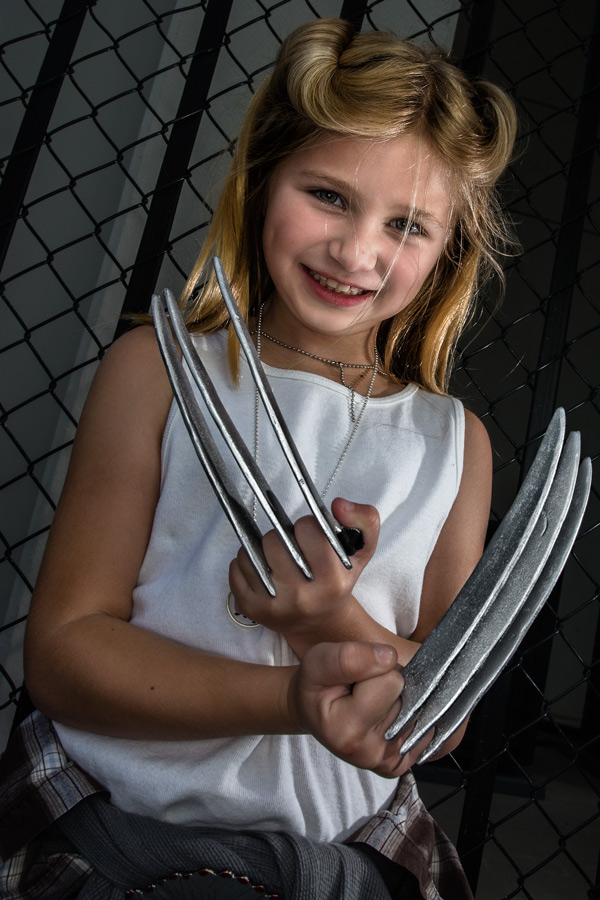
(173,340)
(472,643)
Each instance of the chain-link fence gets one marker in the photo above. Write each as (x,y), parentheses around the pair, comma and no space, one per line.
(117,123)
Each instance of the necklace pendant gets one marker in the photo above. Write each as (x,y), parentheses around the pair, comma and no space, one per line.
(238,618)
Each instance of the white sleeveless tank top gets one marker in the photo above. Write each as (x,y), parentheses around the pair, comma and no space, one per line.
(406,459)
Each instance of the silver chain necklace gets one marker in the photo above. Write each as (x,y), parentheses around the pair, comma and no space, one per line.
(338,364)
(332,362)
(236,617)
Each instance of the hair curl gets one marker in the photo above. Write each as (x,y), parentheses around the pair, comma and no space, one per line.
(328,79)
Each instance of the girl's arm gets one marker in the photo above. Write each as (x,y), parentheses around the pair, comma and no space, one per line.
(86,665)
(462,538)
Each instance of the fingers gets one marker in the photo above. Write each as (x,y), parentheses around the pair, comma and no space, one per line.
(307,611)
(352,515)
(347,695)
(330,577)
(348,662)
(370,709)
(319,554)
(350,695)
(314,544)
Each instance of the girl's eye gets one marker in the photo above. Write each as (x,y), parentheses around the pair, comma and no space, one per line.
(330,197)
(407,226)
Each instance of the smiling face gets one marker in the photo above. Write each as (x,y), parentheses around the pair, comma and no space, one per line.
(353,228)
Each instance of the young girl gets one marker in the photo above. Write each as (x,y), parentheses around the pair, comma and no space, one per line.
(355,226)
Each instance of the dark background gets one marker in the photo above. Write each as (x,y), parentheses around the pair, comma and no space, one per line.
(116,123)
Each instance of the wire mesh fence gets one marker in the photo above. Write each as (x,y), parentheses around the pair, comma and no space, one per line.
(118,121)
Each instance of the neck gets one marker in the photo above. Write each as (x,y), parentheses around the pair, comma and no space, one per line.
(290,343)
(361,375)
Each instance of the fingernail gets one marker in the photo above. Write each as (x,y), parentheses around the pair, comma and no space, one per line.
(384,654)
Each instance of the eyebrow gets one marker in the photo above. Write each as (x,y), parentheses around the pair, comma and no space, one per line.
(413,212)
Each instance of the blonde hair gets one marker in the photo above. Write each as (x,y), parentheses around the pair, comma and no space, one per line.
(328,79)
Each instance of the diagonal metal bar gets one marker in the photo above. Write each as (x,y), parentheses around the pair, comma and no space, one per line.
(429,665)
(475,37)
(36,120)
(175,164)
(235,444)
(354,12)
(345,541)
(568,246)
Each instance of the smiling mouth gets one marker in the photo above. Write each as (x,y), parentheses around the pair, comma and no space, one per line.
(336,286)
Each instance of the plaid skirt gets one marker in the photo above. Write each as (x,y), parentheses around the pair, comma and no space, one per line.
(60,837)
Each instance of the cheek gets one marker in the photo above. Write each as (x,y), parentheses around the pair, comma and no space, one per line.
(410,272)
(292,232)
(407,272)
(423,264)
(275,239)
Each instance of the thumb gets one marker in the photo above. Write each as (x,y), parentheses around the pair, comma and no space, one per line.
(361,516)
(348,662)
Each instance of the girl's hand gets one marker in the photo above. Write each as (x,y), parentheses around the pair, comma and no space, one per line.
(347,695)
(306,612)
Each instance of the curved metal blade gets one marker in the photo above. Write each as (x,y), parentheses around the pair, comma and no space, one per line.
(531,565)
(333,531)
(232,438)
(206,450)
(430,663)
(502,652)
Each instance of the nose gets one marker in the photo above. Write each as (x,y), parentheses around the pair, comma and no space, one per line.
(354,245)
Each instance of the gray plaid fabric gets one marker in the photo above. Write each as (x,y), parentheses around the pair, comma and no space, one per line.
(39,786)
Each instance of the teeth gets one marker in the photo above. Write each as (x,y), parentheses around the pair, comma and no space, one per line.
(335,285)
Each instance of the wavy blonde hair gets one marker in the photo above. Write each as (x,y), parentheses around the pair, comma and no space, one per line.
(328,79)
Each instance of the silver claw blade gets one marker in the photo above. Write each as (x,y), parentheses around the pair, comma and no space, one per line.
(517,604)
(207,451)
(333,531)
(429,665)
(501,653)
